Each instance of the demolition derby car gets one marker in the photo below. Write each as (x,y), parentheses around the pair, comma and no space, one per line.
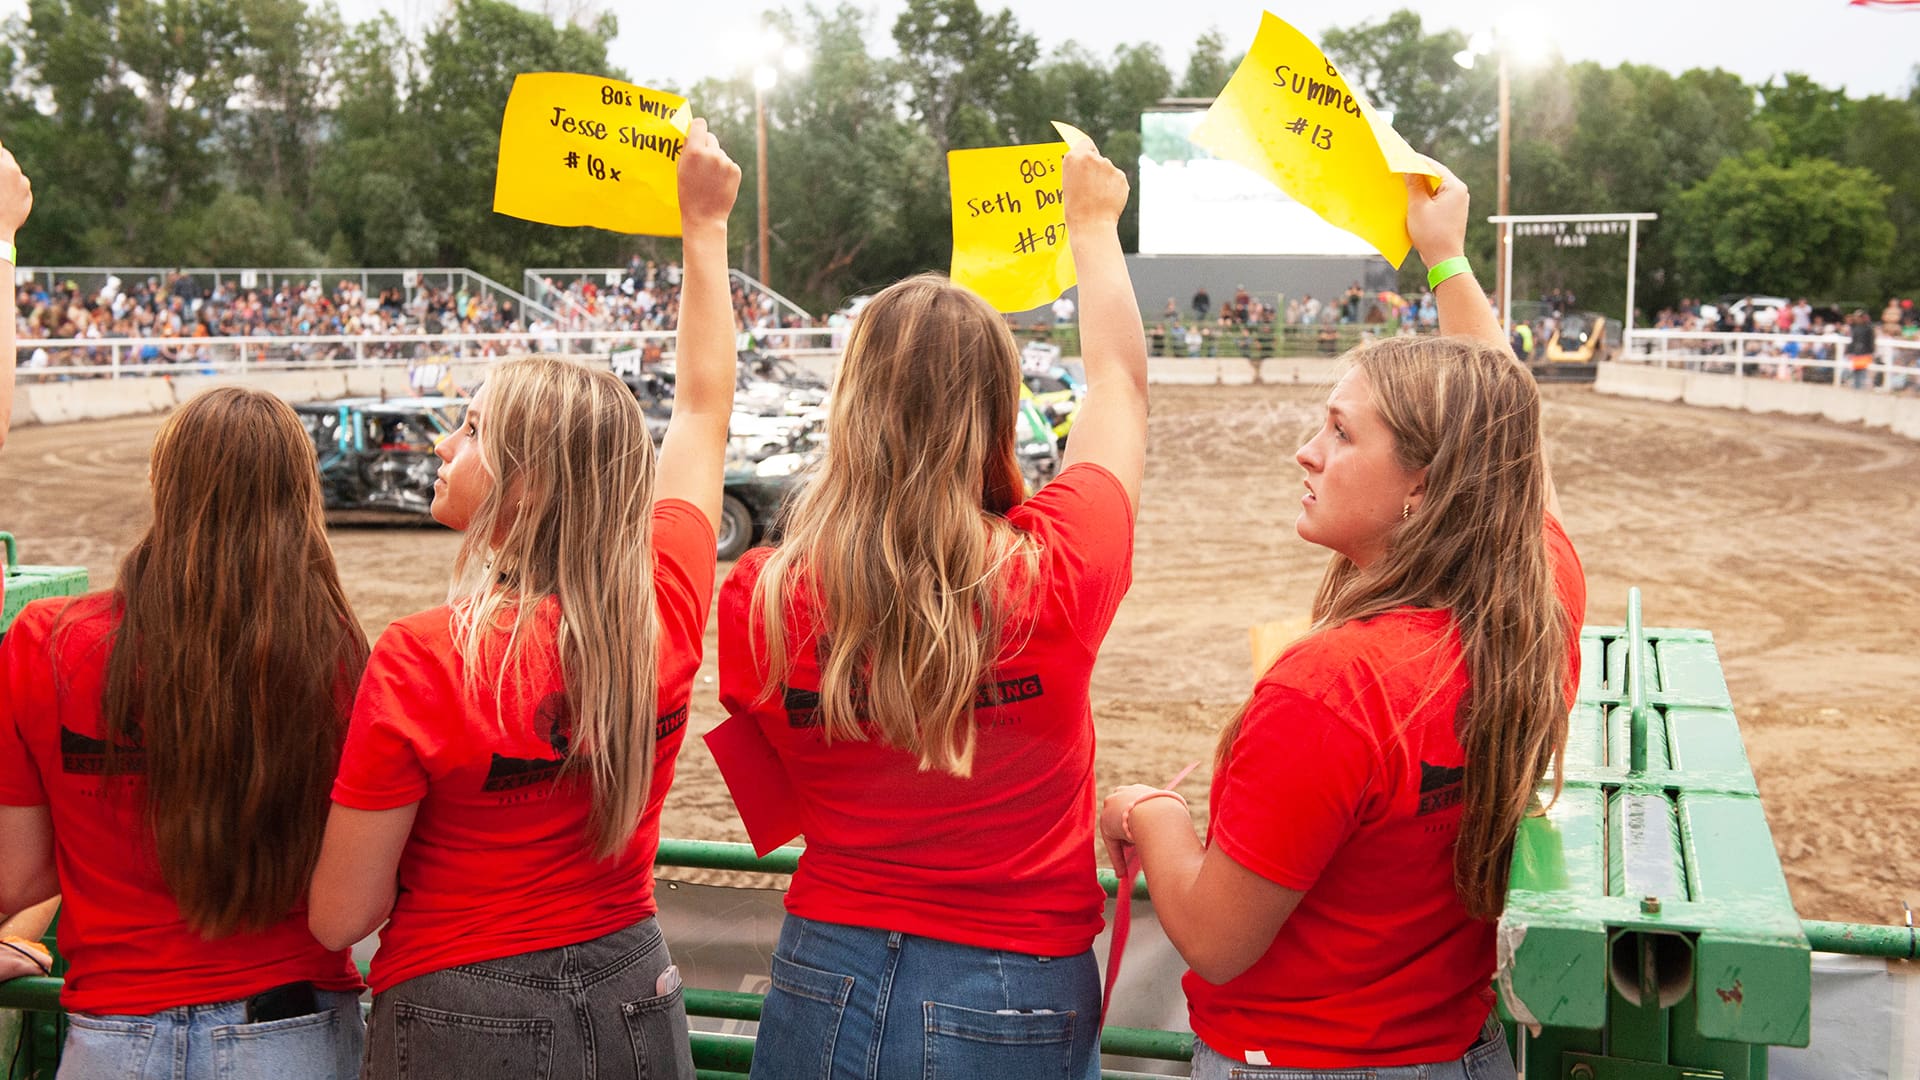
(378,455)
(376,461)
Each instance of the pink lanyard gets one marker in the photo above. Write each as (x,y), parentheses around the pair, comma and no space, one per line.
(1123,909)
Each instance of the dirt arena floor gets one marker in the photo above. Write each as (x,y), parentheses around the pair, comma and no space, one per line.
(1794,541)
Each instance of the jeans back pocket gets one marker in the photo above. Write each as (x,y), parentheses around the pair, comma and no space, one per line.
(800,1022)
(964,1043)
(303,1046)
(657,1027)
(435,1045)
(101,1049)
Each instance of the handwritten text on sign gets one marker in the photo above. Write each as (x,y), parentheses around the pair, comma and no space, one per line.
(1009,225)
(1290,116)
(582,150)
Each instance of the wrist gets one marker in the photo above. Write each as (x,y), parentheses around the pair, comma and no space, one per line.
(1441,254)
(707,230)
(1126,819)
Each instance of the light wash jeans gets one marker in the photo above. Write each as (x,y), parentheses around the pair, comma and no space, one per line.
(1486,1059)
(852,1003)
(214,1042)
(599,1010)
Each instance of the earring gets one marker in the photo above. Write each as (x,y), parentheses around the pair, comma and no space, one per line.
(1406,511)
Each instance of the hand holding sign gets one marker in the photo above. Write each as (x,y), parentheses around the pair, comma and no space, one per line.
(708,180)
(1094,188)
(582,150)
(1437,216)
(1290,116)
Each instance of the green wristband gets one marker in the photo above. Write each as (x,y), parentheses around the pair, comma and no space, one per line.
(1445,269)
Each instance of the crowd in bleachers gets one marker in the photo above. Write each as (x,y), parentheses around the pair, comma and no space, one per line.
(176,312)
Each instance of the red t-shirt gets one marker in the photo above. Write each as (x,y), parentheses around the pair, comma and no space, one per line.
(500,862)
(1003,859)
(1344,784)
(130,951)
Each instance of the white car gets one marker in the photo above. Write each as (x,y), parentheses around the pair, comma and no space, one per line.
(1765,310)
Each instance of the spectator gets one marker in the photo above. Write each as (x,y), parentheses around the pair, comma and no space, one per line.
(1860,346)
(1202,303)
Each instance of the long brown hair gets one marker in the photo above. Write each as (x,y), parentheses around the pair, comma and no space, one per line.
(900,539)
(570,517)
(1469,414)
(233,668)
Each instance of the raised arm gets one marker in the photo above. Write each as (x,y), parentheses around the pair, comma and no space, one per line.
(1111,428)
(693,456)
(16,202)
(1437,221)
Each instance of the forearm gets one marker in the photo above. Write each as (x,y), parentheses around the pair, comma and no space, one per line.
(703,371)
(8,356)
(31,922)
(1112,340)
(1171,855)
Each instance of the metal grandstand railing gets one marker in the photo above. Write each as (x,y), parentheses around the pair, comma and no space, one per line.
(91,279)
(549,286)
(68,358)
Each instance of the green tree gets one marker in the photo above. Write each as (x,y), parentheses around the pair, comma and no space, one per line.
(1437,106)
(964,71)
(1208,67)
(1884,138)
(857,192)
(470,60)
(1798,229)
(1803,118)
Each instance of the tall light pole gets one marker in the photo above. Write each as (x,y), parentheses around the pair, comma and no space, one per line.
(763,79)
(1481,44)
(765,76)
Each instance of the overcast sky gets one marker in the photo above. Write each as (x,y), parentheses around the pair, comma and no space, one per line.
(1866,50)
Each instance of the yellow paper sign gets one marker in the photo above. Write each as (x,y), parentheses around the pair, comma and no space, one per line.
(1009,224)
(582,150)
(1288,115)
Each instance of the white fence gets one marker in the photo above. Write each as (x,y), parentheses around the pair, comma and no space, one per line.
(1787,357)
(114,358)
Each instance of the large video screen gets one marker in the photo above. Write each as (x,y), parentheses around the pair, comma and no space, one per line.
(1192,203)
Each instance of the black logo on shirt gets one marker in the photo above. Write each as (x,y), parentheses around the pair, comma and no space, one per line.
(553,714)
(85,755)
(509,773)
(1008,692)
(803,706)
(1440,787)
(670,723)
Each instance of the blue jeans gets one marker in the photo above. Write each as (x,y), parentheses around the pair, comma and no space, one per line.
(1486,1059)
(851,1003)
(214,1042)
(608,1009)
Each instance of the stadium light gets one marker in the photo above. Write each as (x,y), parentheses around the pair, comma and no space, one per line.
(1521,35)
(768,54)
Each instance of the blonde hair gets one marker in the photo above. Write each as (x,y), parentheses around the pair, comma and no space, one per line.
(569,517)
(1469,414)
(900,542)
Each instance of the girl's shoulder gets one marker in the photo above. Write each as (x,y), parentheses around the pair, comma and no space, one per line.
(1333,663)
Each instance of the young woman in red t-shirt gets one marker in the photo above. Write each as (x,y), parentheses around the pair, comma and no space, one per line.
(917,653)
(498,801)
(165,753)
(1365,799)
